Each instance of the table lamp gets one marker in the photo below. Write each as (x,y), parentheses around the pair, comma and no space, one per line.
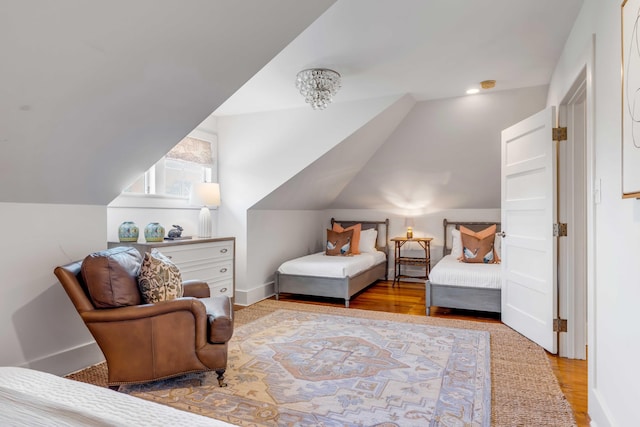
(207,195)
(409,223)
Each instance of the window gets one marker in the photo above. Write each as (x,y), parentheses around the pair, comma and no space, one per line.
(191,160)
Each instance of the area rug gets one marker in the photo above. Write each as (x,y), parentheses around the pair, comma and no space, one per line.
(299,364)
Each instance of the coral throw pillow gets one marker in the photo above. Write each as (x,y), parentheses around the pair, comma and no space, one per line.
(159,278)
(477,246)
(339,243)
(355,241)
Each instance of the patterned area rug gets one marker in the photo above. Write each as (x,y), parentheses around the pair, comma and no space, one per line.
(288,367)
(309,369)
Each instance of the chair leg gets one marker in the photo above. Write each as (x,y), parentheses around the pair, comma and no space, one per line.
(220,373)
(115,387)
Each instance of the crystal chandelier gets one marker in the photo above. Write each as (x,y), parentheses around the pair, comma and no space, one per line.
(318,85)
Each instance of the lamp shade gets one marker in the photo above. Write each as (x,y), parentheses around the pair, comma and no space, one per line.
(409,222)
(205,194)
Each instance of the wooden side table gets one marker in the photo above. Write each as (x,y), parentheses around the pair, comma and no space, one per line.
(425,243)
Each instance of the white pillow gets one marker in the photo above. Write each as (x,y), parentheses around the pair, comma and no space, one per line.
(497,245)
(368,240)
(456,243)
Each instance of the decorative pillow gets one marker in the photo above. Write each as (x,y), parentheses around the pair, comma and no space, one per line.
(339,243)
(456,243)
(368,240)
(110,277)
(477,247)
(355,242)
(497,248)
(159,278)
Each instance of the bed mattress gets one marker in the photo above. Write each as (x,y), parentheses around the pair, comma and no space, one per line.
(33,398)
(450,271)
(319,264)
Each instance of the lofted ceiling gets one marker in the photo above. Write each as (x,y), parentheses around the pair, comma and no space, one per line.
(93,93)
(430,49)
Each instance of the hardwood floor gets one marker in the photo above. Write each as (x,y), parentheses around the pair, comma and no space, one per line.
(409,298)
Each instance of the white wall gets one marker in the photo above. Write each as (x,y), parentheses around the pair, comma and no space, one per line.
(614,342)
(274,237)
(39,326)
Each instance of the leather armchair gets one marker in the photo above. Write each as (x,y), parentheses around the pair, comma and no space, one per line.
(147,342)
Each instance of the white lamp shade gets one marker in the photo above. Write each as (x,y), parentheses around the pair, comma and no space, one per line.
(409,222)
(205,194)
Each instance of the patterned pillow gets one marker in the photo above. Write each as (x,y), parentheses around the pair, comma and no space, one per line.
(339,243)
(355,242)
(477,247)
(159,278)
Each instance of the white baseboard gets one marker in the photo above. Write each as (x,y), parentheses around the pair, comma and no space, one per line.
(257,294)
(67,361)
(598,411)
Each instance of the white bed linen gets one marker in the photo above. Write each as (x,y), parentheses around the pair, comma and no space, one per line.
(33,398)
(450,271)
(319,264)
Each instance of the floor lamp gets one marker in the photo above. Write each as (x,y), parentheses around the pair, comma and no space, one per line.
(207,195)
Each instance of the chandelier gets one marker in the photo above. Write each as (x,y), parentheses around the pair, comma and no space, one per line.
(318,85)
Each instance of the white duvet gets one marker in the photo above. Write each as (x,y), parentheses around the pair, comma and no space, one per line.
(450,271)
(33,398)
(319,264)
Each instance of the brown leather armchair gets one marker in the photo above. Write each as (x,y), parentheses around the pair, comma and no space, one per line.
(147,342)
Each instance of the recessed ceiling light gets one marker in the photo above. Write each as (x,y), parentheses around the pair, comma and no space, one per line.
(473,91)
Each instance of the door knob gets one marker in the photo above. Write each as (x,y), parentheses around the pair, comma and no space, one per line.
(502,234)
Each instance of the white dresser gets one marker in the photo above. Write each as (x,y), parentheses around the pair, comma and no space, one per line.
(211,260)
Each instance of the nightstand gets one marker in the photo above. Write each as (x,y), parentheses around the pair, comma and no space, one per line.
(425,261)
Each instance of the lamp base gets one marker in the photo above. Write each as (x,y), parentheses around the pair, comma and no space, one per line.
(204,223)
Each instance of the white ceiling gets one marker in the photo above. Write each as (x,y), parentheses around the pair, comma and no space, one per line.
(430,49)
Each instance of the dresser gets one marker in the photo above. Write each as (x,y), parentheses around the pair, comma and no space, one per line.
(211,260)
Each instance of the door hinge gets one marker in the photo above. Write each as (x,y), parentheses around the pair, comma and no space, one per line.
(559,134)
(559,325)
(560,229)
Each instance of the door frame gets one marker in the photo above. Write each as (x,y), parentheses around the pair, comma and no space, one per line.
(586,74)
(572,209)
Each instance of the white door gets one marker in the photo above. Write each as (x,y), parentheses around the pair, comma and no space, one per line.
(529,263)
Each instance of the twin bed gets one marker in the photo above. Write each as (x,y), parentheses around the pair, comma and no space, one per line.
(455,284)
(338,276)
(451,283)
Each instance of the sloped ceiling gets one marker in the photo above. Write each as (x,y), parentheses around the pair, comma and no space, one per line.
(317,186)
(93,93)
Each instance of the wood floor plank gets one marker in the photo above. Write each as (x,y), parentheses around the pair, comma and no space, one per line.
(409,298)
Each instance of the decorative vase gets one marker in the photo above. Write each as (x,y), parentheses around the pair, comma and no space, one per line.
(128,232)
(154,232)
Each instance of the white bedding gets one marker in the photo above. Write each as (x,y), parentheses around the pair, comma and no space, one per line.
(33,398)
(319,264)
(450,271)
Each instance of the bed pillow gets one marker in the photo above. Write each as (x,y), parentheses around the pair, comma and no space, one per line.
(368,240)
(355,242)
(477,246)
(456,243)
(497,248)
(159,278)
(339,243)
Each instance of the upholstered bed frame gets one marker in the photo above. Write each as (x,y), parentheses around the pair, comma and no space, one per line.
(339,287)
(462,297)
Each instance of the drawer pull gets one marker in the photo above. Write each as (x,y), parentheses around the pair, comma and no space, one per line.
(223,290)
(223,270)
(224,251)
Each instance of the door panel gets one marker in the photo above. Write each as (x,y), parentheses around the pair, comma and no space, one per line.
(529,263)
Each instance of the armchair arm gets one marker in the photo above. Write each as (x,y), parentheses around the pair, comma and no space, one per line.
(196,288)
(135,312)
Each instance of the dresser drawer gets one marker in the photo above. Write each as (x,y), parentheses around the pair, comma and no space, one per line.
(222,288)
(209,272)
(199,252)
